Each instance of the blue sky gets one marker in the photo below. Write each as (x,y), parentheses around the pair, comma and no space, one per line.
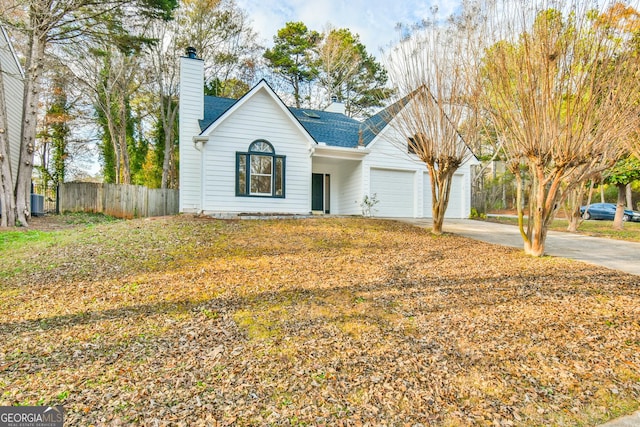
(373,20)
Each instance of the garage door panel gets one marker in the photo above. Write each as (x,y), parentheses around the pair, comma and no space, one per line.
(426,198)
(454,209)
(394,191)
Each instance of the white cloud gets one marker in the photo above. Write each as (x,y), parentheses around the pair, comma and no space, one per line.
(373,20)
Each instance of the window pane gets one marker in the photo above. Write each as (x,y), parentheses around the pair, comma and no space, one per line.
(242,174)
(411,146)
(261,146)
(261,171)
(261,165)
(279,179)
(261,184)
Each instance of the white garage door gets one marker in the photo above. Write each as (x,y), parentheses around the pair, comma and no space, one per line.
(394,190)
(426,196)
(456,200)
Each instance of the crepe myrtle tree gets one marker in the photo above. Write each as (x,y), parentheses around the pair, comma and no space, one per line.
(430,119)
(561,93)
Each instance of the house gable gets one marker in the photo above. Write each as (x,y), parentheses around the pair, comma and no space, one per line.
(228,145)
(324,127)
(224,108)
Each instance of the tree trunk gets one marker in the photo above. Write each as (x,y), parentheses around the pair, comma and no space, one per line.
(618,223)
(7,202)
(629,195)
(543,205)
(124,157)
(573,208)
(440,186)
(574,221)
(519,207)
(122,136)
(166,163)
(574,203)
(168,121)
(535,247)
(34,64)
(117,161)
(296,91)
(536,232)
(113,140)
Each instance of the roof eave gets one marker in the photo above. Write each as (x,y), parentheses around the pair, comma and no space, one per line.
(356,153)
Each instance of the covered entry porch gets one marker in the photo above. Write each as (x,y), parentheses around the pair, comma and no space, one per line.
(336,181)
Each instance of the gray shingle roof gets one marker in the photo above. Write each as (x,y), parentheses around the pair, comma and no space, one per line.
(214,107)
(333,129)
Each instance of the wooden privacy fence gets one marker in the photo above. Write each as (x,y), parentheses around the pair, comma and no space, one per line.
(119,200)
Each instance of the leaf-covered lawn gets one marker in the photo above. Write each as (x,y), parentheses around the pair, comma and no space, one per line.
(341,321)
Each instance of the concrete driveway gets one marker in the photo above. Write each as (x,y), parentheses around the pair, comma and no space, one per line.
(614,254)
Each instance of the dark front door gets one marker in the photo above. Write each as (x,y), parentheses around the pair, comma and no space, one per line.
(317,192)
(327,197)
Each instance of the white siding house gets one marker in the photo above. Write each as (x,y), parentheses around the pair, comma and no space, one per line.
(13,79)
(256,155)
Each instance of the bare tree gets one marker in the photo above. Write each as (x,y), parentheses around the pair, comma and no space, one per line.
(220,32)
(47,22)
(426,70)
(339,59)
(110,77)
(561,93)
(164,82)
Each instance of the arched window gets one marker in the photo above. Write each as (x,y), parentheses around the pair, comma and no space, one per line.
(259,172)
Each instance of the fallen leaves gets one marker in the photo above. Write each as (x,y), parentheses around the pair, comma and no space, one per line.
(339,321)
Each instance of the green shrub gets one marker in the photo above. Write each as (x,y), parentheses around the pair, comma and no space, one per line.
(477,215)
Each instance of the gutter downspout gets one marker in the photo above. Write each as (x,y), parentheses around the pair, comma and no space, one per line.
(198,144)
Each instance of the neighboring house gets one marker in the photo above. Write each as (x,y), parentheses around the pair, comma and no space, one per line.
(256,155)
(13,78)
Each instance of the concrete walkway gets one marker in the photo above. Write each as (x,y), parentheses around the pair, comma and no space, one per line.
(632,420)
(614,254)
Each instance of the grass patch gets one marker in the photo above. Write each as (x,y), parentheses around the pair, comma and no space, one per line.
(44,232)
(85,218)
(317,321)
(259,324)
(14,240)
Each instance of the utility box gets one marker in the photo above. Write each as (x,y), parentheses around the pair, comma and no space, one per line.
(37,205)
